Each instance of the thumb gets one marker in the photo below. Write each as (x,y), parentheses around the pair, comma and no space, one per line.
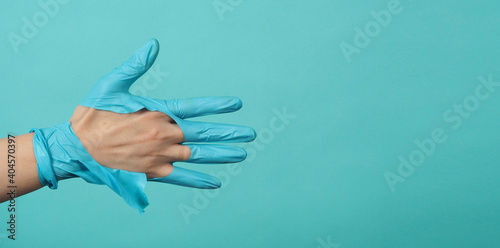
(121,78)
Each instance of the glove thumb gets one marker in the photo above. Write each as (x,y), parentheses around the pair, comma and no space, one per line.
(121,78)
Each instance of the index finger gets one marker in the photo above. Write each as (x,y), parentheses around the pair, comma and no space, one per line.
(201,106)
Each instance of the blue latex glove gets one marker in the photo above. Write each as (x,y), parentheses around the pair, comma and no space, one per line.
(61,155)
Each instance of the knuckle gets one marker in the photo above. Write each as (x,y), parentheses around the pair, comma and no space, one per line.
(185,153)
(161,171)
(154,133)
(160,127)
(178,134)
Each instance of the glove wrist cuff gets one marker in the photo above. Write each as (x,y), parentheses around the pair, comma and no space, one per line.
(43,160)
(61,155)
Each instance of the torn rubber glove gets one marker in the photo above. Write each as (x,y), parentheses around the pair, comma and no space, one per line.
(61,155)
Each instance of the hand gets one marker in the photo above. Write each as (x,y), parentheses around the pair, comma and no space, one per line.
(144,141)
(119,139)
(149,139)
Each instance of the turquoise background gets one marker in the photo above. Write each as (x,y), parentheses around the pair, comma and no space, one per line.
(321,177)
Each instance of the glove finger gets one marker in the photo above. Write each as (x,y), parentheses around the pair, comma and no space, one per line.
(209,154)
(214,132)
(121,78)
(189,178)
(201,106)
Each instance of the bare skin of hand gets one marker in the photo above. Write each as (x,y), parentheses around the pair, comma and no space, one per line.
(144,141)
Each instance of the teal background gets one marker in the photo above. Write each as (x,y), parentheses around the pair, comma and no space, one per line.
(322,176)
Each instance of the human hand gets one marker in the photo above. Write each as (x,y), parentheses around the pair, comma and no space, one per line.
(144,141)
(116,138)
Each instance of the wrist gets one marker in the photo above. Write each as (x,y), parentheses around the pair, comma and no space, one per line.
(61,155)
